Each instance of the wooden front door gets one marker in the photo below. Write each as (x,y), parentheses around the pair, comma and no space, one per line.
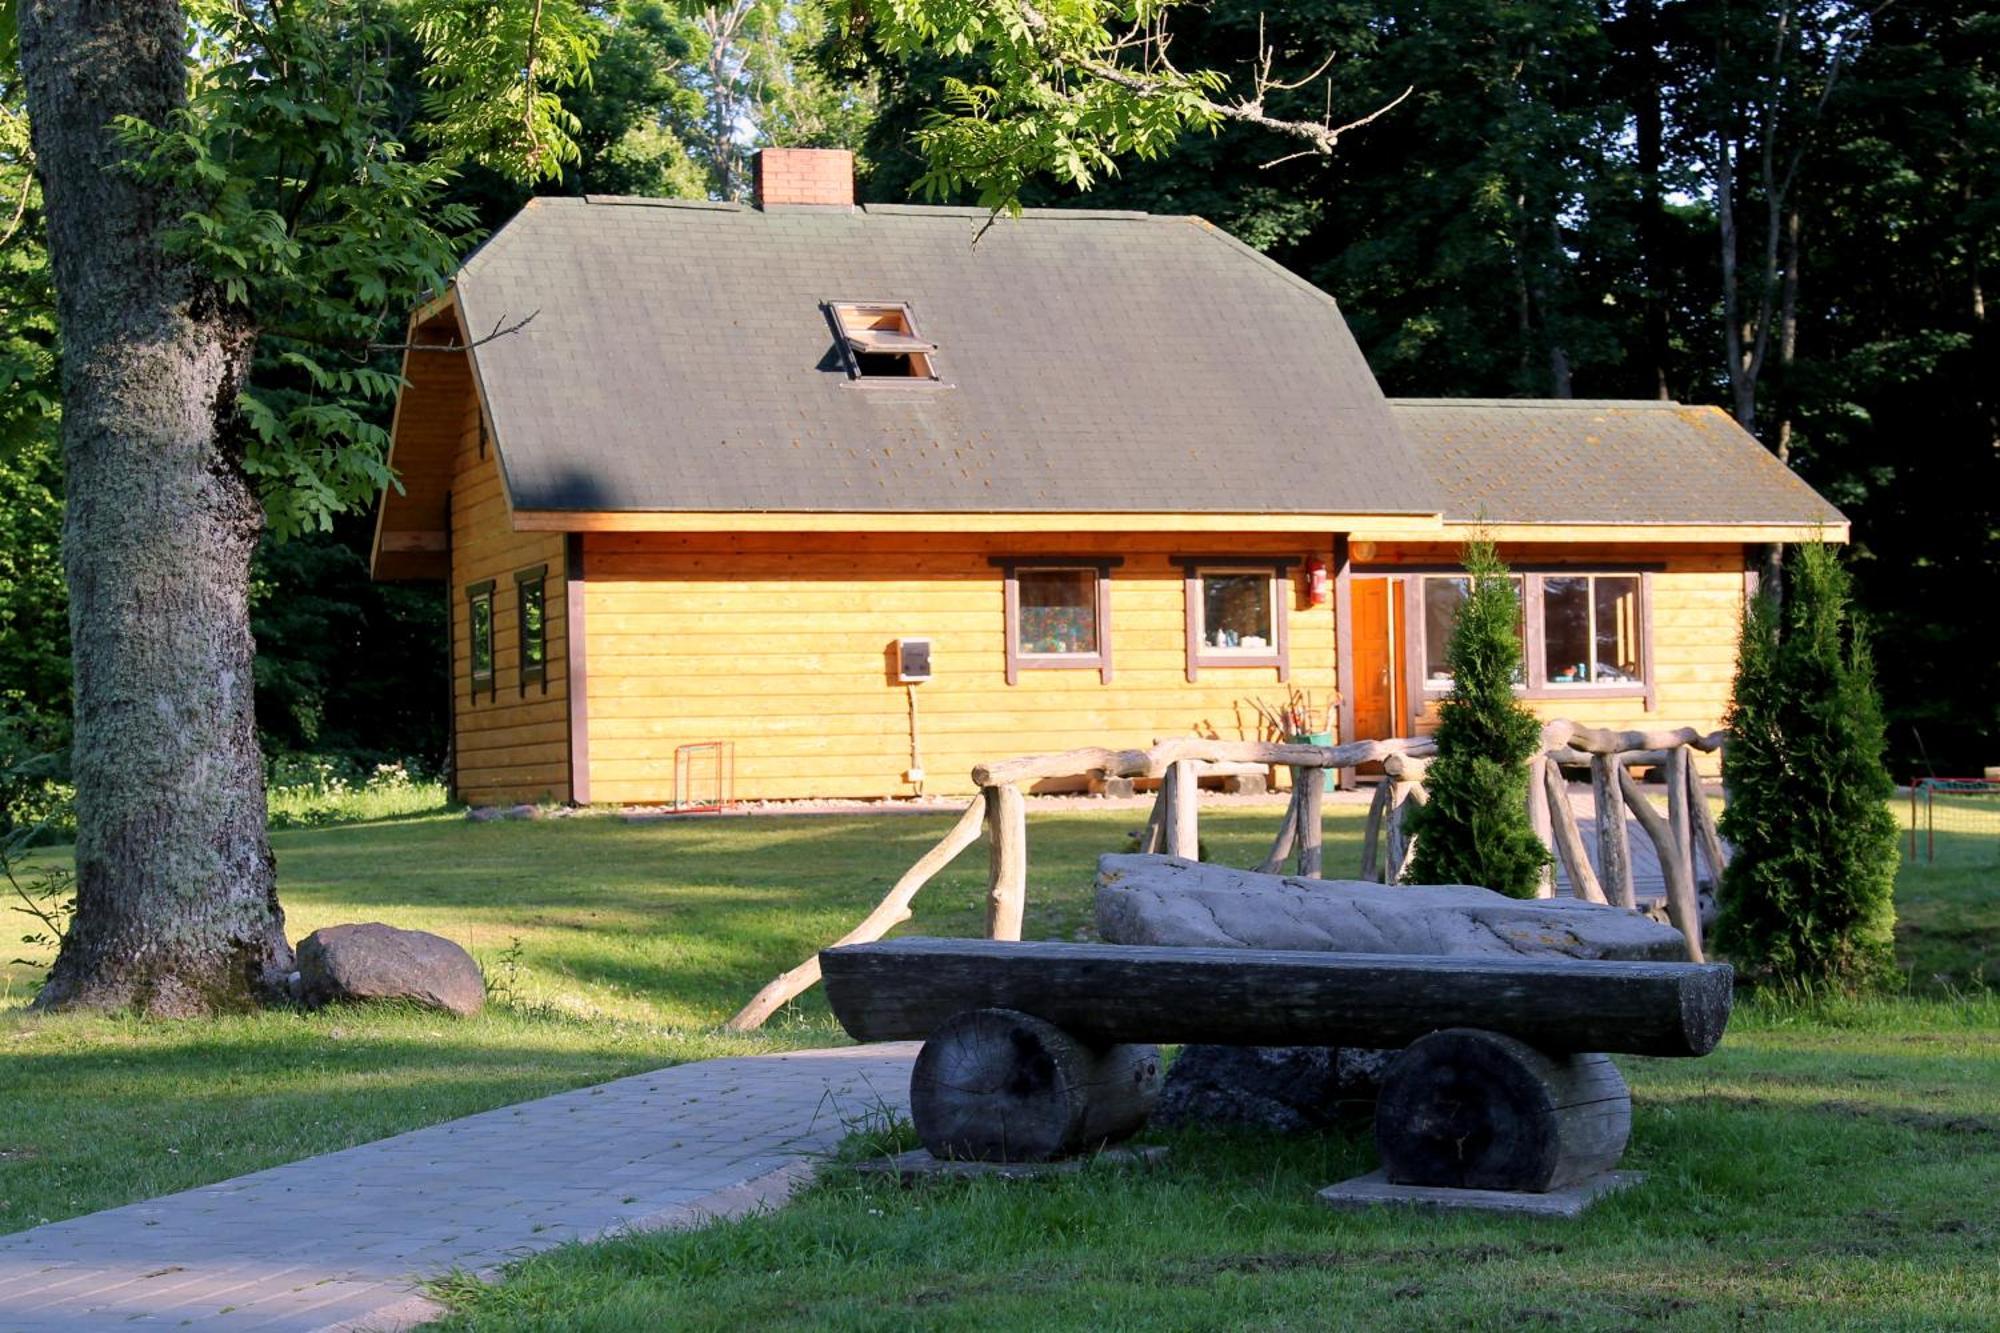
(1378,708)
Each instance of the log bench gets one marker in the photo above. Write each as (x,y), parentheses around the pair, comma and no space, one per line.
(1034,1051)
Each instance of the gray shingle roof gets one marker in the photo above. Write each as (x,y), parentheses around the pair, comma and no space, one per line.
(1506,460)
(679,360)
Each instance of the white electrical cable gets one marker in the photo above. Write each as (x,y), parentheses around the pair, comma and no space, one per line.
(916,753)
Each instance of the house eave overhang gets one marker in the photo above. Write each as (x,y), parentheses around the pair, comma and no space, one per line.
(997,521)
(410,540)
(1757,533)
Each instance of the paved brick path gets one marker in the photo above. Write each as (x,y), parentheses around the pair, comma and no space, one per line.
(341,1241)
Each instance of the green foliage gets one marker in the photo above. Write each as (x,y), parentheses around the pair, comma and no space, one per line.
(1044,92)
(1544,205)
(1807,899)
(319,232)
(315,791)
(34,606)
(44,892)
(1475,829)
(495,74)
(346,666)
(29,395)
(634,111)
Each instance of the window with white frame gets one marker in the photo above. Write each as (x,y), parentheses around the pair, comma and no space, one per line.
(1581,630)
(1443,594)
(1058,613)
(1591,630)
(1236,613)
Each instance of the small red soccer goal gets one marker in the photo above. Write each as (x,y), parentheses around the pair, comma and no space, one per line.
(1955,819)
(704,775)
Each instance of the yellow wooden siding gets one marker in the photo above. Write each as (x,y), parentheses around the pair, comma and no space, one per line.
(1697,610)
(780,644)
(508,746)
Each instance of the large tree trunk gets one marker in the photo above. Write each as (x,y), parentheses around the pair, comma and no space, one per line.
(177,909)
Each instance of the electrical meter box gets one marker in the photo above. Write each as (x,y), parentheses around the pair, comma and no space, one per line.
(913,661)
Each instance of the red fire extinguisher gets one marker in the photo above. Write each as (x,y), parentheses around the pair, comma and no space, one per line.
(1319,586)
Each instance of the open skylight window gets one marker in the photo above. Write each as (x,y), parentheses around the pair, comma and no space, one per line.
(880,341)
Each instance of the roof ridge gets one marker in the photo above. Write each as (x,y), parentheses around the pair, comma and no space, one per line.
(884,209)
(1543,404)
(651,201)
(973,211)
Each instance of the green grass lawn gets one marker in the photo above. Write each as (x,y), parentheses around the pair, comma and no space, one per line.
(616,947)
(1838,1169)
(1838,1164)
(1948,899)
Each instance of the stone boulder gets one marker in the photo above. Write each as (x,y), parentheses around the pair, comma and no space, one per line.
(1170,901)
(343,964)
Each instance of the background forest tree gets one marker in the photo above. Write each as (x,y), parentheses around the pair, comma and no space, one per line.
(1543,216)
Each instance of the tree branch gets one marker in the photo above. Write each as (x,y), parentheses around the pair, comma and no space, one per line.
(498,332)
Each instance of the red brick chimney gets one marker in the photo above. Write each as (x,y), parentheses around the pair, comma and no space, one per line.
(781,176)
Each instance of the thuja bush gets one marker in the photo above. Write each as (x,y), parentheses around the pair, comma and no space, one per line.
(1475,828)
(1807,899)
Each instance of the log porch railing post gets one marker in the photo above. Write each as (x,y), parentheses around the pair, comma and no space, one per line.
(1583,881)
(1183,816)
(1680,819)
(1614,852)
(1371,836)
(1007,880)
(1708,840)
(1288,833)
(1312,791)
(1539,819)
(1681,904)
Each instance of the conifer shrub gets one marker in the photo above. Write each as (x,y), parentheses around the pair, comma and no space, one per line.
(1475,828)
(1807,899)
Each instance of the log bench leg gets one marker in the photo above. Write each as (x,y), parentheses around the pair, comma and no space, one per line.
(994,1085)
(1470,1109)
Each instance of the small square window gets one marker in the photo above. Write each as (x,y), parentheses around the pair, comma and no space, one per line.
(1236,612)
(1058,614)
(880,341)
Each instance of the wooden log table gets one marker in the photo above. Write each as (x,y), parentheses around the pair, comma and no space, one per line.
(1040,1050)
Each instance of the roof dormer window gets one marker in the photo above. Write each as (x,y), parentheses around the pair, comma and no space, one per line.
(880,341)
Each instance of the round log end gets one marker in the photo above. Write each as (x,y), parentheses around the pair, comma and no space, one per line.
(1470,1109)
(1707,997)
(996,1085)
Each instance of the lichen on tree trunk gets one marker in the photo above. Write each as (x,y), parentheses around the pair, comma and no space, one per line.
(177,909)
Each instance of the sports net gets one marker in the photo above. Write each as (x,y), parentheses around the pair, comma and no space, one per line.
(1954,820)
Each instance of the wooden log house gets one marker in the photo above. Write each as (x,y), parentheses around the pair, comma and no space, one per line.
(747,470)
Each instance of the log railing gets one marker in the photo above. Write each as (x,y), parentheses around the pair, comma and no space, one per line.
(1000,811)
(1684,834)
